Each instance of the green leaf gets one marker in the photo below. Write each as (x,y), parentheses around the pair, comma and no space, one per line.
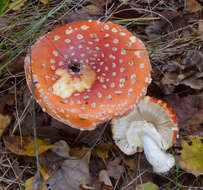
(3,5)
(192,156)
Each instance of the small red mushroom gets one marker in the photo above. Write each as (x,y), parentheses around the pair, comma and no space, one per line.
(88,72)
(152,126)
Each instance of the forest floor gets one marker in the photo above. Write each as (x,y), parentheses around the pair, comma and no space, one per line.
(173,34)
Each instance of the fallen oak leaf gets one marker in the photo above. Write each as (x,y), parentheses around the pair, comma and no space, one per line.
(70,173)
(25,145)
(191,158)
(4,123)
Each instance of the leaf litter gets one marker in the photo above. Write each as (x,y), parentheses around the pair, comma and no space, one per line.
(70,173)
(175,47)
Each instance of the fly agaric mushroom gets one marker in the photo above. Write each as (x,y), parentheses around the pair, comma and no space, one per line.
(152,126)
(88,72)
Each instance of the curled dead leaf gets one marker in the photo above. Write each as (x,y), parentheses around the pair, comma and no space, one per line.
(190,78)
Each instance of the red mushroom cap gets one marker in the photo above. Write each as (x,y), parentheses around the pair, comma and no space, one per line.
(88,72)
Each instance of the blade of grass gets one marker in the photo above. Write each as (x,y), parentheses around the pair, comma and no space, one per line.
(31,29)
(3,5)
(126,21)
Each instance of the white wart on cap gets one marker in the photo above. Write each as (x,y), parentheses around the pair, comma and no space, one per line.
(152,126)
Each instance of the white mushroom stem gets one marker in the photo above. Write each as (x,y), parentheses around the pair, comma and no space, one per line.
(160,160)
(144,134)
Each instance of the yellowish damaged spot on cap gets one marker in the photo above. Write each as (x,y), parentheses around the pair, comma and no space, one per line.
(67,84)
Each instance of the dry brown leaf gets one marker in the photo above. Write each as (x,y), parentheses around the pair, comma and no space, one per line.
(192,58)
(4,123)
(6,100)
(92,10)
(190,78)
(201,180)
(185,107)
(29,184)
(106,187)
(17,65)
(80,152)
(69,173)
(25,145)
(147,1)
(102,150)
(61,148)
(193,5)
(195,81)
(200,27)
(35,182)
(44,173)
(44,1)
(194,124)
(114,168)
(65,172)
(131,163)
(101,3)
(170,21)
(104,177)
(77,15)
